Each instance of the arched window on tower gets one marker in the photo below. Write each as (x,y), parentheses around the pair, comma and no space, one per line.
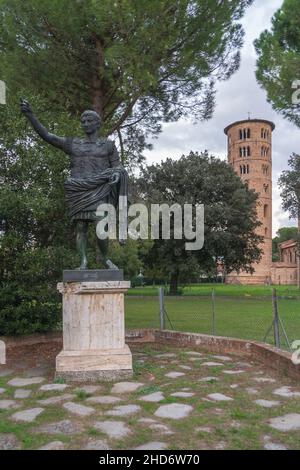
(266,231)
(264,151)
(248,151)
(265,169)
(241,134)
(241,169)
(248,133)
(266,210)
(266,188)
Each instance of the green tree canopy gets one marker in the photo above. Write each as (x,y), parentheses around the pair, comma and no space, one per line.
(136,62)
(230,216)
(278,62)
(289,182)
(282,235)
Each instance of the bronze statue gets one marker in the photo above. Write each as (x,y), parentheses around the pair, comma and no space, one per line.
(97,176)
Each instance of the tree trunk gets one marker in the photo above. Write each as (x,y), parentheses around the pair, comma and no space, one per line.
(174,282)
(98,94)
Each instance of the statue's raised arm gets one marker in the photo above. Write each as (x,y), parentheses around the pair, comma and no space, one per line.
(52,139)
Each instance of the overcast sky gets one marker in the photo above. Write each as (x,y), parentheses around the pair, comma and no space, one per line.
(235,98)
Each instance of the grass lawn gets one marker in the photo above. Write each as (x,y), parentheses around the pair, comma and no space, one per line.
(222,290)
(241,311)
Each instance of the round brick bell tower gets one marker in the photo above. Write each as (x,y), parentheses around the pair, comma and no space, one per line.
(250,154)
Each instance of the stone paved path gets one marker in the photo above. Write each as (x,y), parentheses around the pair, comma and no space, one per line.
(177,399)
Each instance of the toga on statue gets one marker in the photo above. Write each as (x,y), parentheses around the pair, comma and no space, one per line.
(97,176)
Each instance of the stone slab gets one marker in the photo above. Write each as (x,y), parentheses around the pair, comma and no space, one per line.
(205,429)
(8,404)
(22,393)
(222,358)
(65,426)
(55,400)
(21,382)
(9,442)
(96,444)
(267,403)
(174,411)
(233,372)
(288,422)
(53,387)
(152,446)
(274,446)
(89,389)
(264,380)
(219,397)
(160,428)
(103,400)
(126,387)
(174,375)
(286,392)
(124,410)
(182,394)
(193,353)
(114,429)
(27,416)
(54,445)
(153,397)
(92,275)
(77,409)
(209,379)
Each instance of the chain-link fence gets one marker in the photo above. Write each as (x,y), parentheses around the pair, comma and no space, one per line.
(274,319)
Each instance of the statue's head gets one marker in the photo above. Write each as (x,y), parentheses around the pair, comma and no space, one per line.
(90,121)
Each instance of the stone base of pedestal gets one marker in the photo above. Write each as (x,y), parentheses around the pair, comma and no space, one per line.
(94,365)
(93,330)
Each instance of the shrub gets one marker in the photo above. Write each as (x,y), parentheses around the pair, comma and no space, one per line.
(21,313)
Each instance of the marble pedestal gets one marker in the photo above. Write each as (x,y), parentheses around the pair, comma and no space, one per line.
(93,332)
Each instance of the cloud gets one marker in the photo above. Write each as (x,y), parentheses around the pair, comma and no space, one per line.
(235,99)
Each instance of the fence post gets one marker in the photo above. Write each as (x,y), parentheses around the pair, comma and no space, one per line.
(161,308)
(213,300)
(276,319)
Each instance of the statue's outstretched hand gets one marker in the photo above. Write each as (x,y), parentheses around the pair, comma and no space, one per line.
(25,107)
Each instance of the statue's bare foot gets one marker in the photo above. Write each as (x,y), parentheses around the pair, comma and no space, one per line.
(110,264)
(83,265)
